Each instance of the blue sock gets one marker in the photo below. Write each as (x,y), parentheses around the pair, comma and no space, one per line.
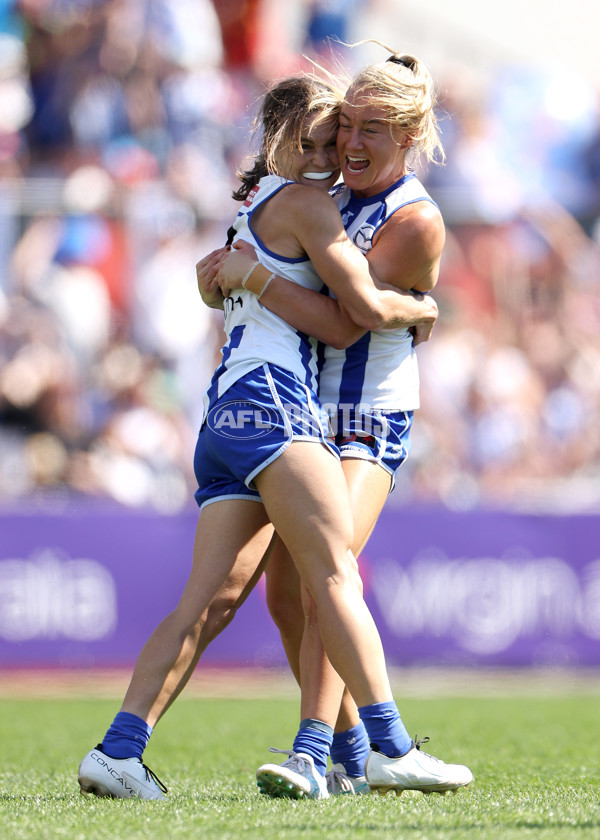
(314,739)
(127,736)
(385,729)
(351,749)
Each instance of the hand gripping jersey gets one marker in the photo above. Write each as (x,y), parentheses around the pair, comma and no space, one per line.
(254,334)
(380,369)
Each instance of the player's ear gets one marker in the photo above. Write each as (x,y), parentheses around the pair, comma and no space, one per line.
(406,141)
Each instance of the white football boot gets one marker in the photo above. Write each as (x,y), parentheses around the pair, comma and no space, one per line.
(416,770)
(339,783)
(119,778)
(296,778)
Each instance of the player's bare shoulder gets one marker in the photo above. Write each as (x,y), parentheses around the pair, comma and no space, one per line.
(416,226)
(311,212)
(407,251)
(300,199)
(295,217)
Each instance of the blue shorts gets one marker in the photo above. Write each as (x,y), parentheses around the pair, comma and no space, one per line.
(250,426)
(382,437)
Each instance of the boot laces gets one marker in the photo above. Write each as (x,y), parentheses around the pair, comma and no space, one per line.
(418,741)
(151,776)
(342,780)
(295,762)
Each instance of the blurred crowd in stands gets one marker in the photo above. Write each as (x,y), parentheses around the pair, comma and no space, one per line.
(121,125)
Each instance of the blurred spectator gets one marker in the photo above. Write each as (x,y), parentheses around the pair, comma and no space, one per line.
(328,27)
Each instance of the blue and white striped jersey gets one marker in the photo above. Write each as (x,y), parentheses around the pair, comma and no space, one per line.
(380,370)
(254,334)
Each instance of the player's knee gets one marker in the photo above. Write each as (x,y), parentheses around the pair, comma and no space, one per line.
(285,608)
(219,615)
(342,579)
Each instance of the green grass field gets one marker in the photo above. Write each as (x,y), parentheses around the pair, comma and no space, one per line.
(535,760)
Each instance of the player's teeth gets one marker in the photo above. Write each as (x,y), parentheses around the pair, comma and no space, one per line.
(318,176)
(356,164)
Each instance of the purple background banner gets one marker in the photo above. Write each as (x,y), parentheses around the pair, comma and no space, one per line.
(86,589)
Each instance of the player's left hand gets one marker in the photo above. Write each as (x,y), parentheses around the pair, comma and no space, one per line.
(421,333)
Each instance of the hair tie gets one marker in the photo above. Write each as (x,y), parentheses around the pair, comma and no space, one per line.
(397,60)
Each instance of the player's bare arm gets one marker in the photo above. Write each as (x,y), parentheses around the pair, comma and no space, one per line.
(319,232)
(318,226)
(407,250)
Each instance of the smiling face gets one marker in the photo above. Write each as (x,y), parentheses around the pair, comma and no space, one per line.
(316,161)
(372,157)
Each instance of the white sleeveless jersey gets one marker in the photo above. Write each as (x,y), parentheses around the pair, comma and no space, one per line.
(380,370)
(254,334)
